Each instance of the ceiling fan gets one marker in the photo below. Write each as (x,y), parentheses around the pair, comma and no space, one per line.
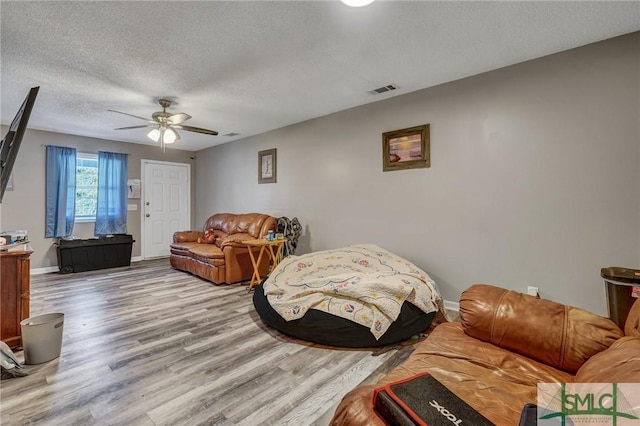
(164,124)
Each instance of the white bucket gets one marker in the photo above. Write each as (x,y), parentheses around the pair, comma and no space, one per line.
(42,337)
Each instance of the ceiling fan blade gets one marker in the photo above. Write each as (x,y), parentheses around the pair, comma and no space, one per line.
(135,127)
(131,115)
(178,118)
(195,129)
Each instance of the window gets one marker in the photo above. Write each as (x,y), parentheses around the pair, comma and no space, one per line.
(86,187)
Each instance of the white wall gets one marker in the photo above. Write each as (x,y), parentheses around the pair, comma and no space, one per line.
(24,207)
(535,178)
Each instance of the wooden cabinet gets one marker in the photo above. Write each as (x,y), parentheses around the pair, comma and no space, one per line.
(14,300)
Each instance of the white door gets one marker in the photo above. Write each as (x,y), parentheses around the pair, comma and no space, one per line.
(166,201)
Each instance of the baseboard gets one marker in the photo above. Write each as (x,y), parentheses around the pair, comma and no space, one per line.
(452,306)
(49,269)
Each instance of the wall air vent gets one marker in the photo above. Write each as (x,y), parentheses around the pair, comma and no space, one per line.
(231,134)
(383,89)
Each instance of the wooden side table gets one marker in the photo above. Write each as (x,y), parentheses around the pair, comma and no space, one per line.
(265,247)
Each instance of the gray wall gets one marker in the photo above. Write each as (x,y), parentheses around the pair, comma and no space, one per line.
(534,177)
(23,208)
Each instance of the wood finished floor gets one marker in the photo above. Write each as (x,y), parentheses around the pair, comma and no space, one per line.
(149,345)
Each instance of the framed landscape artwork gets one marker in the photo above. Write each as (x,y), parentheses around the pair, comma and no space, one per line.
(267,166)
(406,149)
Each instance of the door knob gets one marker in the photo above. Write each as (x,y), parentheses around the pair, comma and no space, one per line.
(147,215)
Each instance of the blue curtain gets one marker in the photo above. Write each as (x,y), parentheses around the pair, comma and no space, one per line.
(111,215)
(60,191)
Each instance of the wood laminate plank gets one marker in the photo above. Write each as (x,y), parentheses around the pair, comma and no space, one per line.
(148,345)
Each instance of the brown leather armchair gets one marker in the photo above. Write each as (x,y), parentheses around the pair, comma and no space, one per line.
(221,256)
(504,345)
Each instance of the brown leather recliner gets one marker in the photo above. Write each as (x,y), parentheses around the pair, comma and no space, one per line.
(221,257)
(504,345)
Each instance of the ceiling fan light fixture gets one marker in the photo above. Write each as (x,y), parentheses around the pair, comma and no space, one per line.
(163,125)
(169,136)
(357,3)
(154,135)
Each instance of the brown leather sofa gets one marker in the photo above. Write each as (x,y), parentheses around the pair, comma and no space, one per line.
(222,258)
(504,345)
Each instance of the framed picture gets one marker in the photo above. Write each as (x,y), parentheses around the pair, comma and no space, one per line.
(134,188)
(406,149)
(267,166)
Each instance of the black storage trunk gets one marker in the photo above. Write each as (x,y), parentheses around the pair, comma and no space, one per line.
(94,253)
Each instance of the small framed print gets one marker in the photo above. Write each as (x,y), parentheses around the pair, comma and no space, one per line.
(267,166)
(134,188)
(406,149)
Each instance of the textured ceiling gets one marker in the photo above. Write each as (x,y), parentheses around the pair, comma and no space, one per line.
(250,67)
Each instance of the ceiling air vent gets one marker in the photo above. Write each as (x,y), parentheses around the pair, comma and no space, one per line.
(383,89)
(231,134)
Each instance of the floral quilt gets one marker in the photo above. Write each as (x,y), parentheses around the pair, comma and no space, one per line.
(363,283)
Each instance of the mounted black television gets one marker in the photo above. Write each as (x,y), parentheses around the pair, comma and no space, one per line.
(13,138)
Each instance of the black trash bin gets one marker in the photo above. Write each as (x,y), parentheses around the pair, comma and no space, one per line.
(623,287)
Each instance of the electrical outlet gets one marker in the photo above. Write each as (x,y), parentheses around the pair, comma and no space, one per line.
(533,291)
